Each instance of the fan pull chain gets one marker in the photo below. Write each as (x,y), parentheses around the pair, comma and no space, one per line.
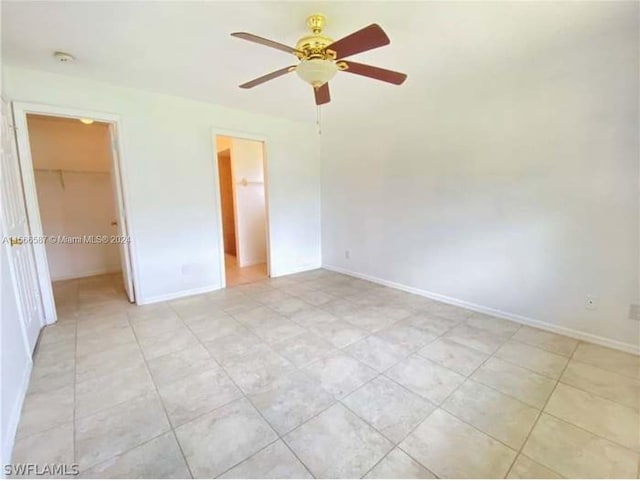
(319,121)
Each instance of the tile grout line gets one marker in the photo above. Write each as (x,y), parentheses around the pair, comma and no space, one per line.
(412,353)
(124,312)
(494,355)
(616,443)
(157,391)
(559,381)
(542,410)
(243,396)
(580,388)
(75,369)
(342,350)
(371,333)
(430,401)
(441,404)
(336,401)
(394,444)
(382,373)
(75,388)
(281,436)
(146,441)
(257,452)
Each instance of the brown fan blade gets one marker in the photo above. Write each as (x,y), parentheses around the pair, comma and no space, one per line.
(322,94)
(365,39)
(264,41)
(376,73)
(269,76)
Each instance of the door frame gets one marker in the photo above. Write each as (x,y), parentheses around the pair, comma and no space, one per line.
(239,134)
(118,169)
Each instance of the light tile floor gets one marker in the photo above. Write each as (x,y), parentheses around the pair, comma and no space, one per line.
(320,375)
(236,275)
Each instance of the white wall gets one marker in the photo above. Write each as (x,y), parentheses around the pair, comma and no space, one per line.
(15,361)
(72,163)
(78,204)
(68,144)
(510,183)
(247,164)
(168,163)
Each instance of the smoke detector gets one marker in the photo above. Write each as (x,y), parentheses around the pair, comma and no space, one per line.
(63,57)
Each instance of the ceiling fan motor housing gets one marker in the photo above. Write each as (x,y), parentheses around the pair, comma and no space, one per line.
(314,46)
(317,64)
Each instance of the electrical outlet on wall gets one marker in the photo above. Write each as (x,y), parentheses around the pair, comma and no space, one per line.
(634,312)
(347,254)
(591,303)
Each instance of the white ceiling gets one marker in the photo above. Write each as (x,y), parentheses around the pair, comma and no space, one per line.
(184,48)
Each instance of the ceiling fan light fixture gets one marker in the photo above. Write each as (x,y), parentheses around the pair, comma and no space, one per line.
(320,57)
(317,71)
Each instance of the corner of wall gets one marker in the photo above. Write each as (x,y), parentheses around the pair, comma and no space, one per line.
(10,429)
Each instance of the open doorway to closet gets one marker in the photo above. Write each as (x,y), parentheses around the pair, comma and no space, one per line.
(71,177)
(243,202)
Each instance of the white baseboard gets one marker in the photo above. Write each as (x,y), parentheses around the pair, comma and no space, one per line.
(249,263)
(81,275)
(211,288)
(304,268)
(9,436)
(177,295)
(583,336)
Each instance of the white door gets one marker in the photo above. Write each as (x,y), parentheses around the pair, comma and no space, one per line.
(125,256)
(15,228)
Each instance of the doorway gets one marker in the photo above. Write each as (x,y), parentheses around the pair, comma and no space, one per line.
(243,206)
(71,176)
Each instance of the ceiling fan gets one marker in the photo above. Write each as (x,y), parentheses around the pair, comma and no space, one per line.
(320,58)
